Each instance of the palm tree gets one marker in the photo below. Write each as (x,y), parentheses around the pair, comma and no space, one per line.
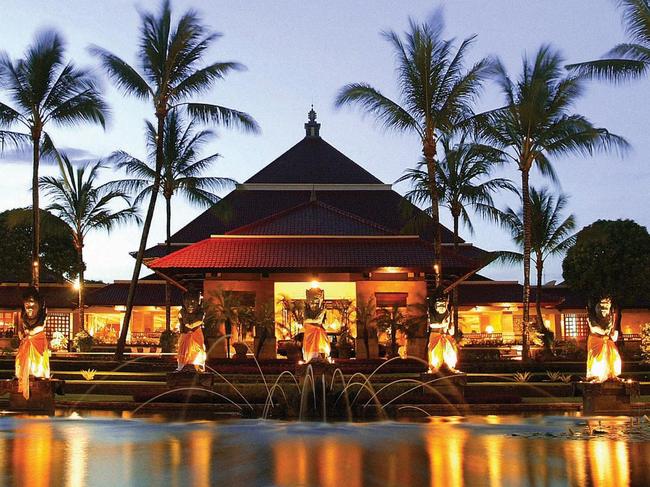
(84,206)
(536,124)
(45,90)
(463,180)
(181,173)
(627,60)
(389,320)
(170,74)
(550,235)
(436,93)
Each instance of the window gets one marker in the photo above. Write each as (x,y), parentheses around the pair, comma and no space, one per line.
(6,323)
(388,300)
(58,322)
(575,325)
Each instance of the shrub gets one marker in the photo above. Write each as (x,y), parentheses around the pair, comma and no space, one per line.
(522,376)
(59,341)
(645,342)
(88,374)
(168,341)
(83,341)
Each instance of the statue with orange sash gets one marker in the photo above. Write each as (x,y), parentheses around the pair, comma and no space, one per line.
(33,356)
(603,359)
(315,344)
(191,344)
(442,348)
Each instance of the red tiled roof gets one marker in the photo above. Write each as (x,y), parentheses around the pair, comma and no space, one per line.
(312,218)
(309,253)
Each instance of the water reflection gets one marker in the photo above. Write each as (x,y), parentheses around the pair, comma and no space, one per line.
(453,452)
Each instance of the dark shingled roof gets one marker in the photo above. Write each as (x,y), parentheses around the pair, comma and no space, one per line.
(55,296)
(314,253)
(147,293)
(486,292)
(241,207)
(312,218)
(313,161)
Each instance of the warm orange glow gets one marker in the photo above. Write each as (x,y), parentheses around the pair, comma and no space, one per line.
(315,284)
(603,359)
(442,350)
(315,342)
(32,358)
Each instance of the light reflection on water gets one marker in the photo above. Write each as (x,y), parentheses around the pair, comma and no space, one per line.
(490,450)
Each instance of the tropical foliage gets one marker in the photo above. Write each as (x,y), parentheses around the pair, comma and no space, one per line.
(170,74)
(436,93)
(44,90)
(78,200)
(536,125)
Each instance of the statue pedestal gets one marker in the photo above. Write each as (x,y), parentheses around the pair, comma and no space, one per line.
(268,349)
(319,368)
(444,383)
(609,397)
(41,394)
(189,378)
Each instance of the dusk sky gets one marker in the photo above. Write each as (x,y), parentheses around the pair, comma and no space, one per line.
(298,53)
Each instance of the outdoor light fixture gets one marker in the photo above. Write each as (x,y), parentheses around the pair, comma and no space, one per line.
(489,329)
(315,284)
(76,284)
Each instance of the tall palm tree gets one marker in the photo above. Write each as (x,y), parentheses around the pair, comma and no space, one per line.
(551,234)
(627,60)
(45,90)
(463,181)
(85,206)
(170,74)
(436,92)
(181,173)
(535,125)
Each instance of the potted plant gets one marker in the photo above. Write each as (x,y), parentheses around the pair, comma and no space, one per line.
(367,343)
(415,327)
(168,341)
(390,321)
(83,341)
(264,343)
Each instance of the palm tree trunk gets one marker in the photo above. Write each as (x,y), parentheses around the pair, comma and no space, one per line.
(121,343)
(454,292)
(168,293)
(429,151)
(36,216)
(538,295)
(80,263)
(527,244)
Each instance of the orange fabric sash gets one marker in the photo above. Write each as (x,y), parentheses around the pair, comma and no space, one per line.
(315,342)
(603,359)
(33,358)
(442,350)
(191,349)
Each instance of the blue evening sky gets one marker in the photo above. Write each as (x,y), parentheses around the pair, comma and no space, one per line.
(298,53)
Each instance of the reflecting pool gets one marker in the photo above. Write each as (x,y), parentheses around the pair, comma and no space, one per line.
(451,451)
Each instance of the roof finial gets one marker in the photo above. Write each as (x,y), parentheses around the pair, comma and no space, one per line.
(312,128)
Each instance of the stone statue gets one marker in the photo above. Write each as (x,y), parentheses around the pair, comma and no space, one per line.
(315,344)
(603,359)
(442,348)
(191,344)
(33,356)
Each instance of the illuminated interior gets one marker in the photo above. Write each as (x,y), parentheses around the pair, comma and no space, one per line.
(338,295)
(147,322)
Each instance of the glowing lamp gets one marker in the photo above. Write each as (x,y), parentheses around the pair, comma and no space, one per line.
(489,329)
(315,284)
(76,284)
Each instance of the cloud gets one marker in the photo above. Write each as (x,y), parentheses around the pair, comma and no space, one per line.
(23,155)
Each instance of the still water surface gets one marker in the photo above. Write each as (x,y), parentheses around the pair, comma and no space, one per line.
(473,451)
